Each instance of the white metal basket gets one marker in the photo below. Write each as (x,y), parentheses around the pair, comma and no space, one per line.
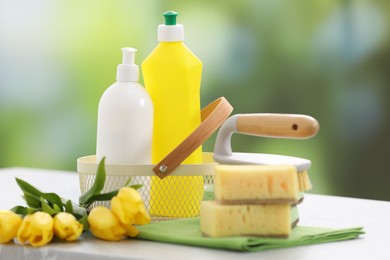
(160,196)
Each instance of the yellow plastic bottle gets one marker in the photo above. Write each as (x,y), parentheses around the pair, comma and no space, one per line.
(172,76)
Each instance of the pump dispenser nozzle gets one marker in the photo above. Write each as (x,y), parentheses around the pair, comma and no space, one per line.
(128,70)
(128,56)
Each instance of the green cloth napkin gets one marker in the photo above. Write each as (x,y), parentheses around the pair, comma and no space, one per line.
(187,232)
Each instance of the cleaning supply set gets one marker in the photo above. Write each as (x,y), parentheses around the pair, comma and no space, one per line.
(154,135)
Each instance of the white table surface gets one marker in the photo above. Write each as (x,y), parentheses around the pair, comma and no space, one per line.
(316,210)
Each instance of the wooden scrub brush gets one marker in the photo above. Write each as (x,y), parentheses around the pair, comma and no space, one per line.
(267,125)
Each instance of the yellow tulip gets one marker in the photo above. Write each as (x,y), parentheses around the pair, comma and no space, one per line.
(37,229)
(129,208)
(142,217)
(131,231)
(66,227)
(104,225)
(9,225)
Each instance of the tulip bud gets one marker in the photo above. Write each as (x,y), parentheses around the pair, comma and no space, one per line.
(129,208)
(66,227)
(9,225)
(104,225)
(37,229)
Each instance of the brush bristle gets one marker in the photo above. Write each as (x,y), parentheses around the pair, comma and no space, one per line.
(304,181)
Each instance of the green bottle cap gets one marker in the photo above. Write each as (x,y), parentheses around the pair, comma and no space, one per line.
(170,18)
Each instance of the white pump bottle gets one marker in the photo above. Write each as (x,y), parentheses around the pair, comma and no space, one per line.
(125,117)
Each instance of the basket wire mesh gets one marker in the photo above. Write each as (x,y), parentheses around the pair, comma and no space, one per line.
(163,208)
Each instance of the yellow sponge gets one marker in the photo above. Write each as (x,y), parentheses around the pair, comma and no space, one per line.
(255,184)
(218,220)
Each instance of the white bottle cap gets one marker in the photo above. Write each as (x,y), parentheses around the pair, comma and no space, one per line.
(170,31)
(128,70)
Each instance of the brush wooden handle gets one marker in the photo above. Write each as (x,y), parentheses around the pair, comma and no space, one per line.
(277,125)
(213,116)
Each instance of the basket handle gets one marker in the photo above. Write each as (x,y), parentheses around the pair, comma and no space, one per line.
(212,116)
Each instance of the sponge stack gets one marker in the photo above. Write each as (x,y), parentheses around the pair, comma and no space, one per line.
(251,200)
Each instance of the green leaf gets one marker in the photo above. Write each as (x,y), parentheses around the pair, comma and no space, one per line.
(69,207)
(57,208)
(46,207)
(20,210)
(26,187)
(97,185)
(79,212)
(53,199)
(107,196)
(33,196)
(84,220)
(31,200)
(127,183)
(136,186)
(33,210)
(101,197)
(73,208)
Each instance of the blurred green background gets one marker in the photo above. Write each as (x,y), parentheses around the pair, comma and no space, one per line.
(325,58)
